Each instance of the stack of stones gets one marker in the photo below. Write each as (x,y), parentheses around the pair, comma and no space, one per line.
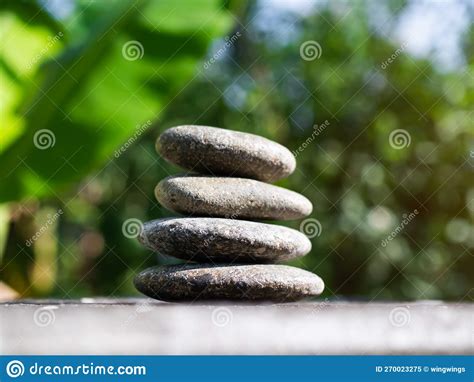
(229,256)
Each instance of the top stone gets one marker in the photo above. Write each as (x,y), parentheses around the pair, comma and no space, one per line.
(215,151)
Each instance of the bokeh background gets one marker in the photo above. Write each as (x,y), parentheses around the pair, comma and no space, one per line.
(374,98)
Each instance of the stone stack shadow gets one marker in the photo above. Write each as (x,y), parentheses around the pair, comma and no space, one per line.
(230,254)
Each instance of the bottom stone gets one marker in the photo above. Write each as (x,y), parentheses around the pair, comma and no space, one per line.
(190,282)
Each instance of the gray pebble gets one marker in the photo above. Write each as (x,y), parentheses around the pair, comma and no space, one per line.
(223,240)
(216,151)
(190,282)
(231,198)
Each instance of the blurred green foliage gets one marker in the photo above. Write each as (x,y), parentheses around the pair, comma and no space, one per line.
(102,168)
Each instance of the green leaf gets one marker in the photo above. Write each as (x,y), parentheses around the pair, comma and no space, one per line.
(4,224)
(83,105)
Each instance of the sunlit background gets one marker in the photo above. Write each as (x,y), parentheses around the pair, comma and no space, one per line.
(374,98)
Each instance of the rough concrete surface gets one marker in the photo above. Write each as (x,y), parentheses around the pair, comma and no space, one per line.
(144,326)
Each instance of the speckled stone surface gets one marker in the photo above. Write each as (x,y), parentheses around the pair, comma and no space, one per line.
(237,198)
(216,151)
(190,282)
(223,240)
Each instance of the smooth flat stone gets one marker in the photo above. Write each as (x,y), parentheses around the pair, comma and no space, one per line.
(223,240)
(230,198)
(215,151)
(189,282)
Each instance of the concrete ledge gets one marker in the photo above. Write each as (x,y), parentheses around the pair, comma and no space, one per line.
(142,326)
